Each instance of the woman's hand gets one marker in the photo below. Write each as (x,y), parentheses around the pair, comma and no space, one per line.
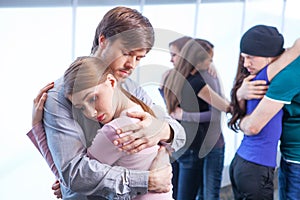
(146,133)
(177,114)
(212,70)
(56,189)
(38,104)
(160,174)
(251,89)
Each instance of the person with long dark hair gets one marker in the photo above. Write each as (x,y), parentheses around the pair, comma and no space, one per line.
(283,92)
(252,168)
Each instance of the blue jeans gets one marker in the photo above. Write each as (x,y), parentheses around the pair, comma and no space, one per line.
(212,175)
(190,175)
(288,180)
(175,171)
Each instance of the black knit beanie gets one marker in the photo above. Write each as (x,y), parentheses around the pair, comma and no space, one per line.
(262,40)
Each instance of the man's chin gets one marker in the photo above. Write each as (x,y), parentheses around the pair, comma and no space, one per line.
(122,77)
(122,80)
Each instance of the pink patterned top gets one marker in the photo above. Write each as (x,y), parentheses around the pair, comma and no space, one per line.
(103,150)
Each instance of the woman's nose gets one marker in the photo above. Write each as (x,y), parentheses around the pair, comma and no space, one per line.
(91,113)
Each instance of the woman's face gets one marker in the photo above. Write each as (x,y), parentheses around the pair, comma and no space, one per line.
(174,54)
(254,63)
(206,63)
(97,102)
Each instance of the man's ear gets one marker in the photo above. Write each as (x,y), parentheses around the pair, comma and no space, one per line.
(102,41)
(110,79)
(69,97)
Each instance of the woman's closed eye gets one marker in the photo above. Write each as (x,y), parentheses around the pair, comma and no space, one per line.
(92,99)
(81,108)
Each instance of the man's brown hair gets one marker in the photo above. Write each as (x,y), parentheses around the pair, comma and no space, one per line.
(127,24)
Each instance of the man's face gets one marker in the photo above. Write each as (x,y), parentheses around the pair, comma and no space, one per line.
(254,63)
(122,61)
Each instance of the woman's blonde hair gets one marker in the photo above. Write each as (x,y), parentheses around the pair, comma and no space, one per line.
(86,72)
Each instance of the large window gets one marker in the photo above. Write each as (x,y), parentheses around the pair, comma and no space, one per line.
(35,49)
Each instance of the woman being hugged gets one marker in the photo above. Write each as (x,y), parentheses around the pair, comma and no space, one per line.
(94,91)
(186,88)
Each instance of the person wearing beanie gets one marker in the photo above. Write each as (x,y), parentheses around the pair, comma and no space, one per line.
(283,91)
(262,41)
(252,168)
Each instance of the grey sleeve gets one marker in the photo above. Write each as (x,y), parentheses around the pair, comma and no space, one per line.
(199,117)
(179,133)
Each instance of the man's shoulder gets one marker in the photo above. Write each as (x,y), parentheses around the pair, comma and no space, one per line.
(289,72)
(56,96)
(58,85)
(130,84)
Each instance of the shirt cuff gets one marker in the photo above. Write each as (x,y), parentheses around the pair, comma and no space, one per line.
(138,181)
(32,135)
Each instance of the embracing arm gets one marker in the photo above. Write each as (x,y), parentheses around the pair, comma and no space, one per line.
(182,115)
(251,90)
(37,134)
(266,109)
(199,117)
(286,58)
(104,151)
(150,131)
(212,98)
(175,134)
(257,89)
(77,171)
(263,113)
(159,178)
